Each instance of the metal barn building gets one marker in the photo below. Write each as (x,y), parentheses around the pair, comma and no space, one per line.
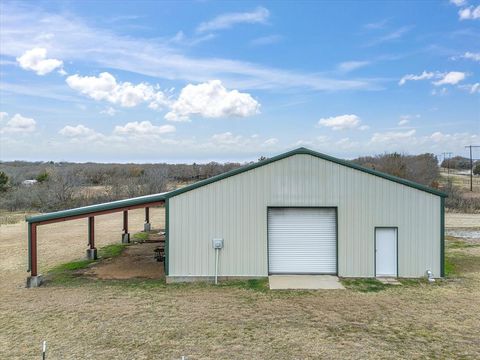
(300,212)
(303,212)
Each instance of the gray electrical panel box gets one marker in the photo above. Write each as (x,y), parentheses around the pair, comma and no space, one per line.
(217,243)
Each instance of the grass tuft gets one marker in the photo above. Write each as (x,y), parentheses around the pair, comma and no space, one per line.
(112,250)
(67,274)
(135,284)
(458,243)
(459,263)
(449,267)
(141,236)
(250,284)
(72,266)
(366,285)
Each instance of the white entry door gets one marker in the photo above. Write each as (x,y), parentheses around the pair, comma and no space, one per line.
(302,241)
(386,252)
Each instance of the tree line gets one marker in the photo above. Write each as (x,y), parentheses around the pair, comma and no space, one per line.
(62,185)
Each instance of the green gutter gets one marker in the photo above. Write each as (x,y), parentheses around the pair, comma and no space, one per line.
(312,153)
(442,237)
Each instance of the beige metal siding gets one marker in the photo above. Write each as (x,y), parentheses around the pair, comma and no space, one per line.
(235,209)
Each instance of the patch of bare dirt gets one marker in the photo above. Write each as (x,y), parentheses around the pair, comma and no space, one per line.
(62,242)
(136,261)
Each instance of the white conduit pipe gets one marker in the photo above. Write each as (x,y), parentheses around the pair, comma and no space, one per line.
(216,266)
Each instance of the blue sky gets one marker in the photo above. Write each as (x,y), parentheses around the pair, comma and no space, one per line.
(204,80)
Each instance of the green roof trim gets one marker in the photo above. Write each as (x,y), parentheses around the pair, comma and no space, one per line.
(306,151)
(98,207)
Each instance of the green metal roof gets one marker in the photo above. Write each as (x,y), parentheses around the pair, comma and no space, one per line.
(163,196)
(306,151)
(98,207)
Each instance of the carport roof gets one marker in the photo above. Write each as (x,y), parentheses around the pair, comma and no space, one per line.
(92,209)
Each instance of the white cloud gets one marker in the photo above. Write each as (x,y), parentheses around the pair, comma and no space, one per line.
(143,128)
(441,141)
(110,111)
(451,78)
(226,21)
(405,119)
(266,40)
(120,134)
(469,13)
(36,60)
(399,141)
(440,92)
(230,142)
(392,136)
(73,39)
(348,66)
(211,100)
(18,124)
(105,87)
(227,138)
(77,131)
(412,77)
(458,2)
(270,142)
(376,25)
(3,115)
(181,39)
(341,122)
(471,88)
(471,56)
(475,88)
(394,35)
(346,143)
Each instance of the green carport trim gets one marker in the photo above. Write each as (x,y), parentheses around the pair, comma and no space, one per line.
(442,237)
(306,151)
(85,210)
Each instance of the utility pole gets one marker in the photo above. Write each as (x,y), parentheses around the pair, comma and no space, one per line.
(446,158)
(471,164)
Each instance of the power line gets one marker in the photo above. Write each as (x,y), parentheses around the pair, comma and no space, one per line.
(446,159)
(471,164)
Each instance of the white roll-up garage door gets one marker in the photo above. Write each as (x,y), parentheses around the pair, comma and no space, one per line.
(302,240)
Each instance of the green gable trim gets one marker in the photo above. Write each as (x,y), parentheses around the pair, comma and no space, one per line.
(98,207)
(306,151)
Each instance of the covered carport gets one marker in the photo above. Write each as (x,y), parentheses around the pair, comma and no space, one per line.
(89,213)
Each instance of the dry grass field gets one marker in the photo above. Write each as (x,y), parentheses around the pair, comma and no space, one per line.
(461,181)
(137,319)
